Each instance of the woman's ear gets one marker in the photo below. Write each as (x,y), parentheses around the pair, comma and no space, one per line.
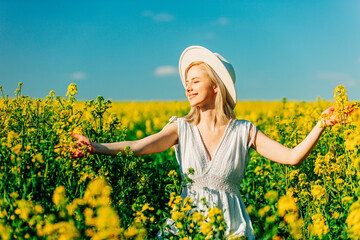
(215,88)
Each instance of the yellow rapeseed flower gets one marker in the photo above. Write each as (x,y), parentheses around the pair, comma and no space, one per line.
(12,138)
(206,229)
(59,196)
(286,204)
(72,90)
(319,227)
(272,196)
(5,231)
(131,232)
(172,173)
(179,225)
(197,216)
(147,207)
(38,209)
(178,216)
(318,192)
(346,199)
(353,220)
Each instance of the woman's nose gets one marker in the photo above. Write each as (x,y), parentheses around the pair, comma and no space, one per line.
(188,87)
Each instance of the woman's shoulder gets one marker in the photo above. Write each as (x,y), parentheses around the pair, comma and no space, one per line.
(177,121)
(173,121)
(242,121)
(182,121)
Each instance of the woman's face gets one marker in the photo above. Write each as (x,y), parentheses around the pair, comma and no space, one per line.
(200,91)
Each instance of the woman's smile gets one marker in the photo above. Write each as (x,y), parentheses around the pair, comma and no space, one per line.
(192,95)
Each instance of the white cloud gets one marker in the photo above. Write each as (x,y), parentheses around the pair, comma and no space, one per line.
(205,35)
(337,78)
(78,75)
(223,20)
(163,71)
(209,35)
(159,17)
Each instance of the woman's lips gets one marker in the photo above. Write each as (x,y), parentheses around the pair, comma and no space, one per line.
(192,95)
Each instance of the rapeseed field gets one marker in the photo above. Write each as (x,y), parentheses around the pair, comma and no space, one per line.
(46,194)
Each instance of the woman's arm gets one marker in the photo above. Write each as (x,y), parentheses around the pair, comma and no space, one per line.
(276,152)
(155,143)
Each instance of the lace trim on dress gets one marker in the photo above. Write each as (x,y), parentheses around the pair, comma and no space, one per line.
(214,182)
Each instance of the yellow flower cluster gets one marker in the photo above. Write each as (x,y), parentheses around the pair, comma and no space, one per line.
(101,219)
(140,216)
(342,106)
(289,211)
(192,223)
(353,220)
(318,193)
(71,91)
(319,227)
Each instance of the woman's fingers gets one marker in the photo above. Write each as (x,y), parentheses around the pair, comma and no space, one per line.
(351,108)
(57,146)
(78,153)
(90,148)
(78,150)
(334,117)
(75,135)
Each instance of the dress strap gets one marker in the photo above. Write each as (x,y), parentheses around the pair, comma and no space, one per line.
(171,120)
(253,135)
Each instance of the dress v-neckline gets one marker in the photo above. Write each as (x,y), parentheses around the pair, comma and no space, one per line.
(207,155)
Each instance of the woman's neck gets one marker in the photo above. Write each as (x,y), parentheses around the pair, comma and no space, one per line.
(208,119)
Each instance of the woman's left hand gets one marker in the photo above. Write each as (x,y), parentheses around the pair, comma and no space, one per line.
(330,117)
(81,143)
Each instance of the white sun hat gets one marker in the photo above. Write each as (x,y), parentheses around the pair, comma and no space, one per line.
(218,63)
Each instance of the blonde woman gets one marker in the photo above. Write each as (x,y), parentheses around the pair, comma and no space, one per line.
(211,140)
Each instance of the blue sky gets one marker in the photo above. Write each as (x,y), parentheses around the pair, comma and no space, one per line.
(129,50)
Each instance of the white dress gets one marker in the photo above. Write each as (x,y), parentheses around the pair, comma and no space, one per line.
(218,179)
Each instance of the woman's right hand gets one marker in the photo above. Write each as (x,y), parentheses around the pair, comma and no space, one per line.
(82,142)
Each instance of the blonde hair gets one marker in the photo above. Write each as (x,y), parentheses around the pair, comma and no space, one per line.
(223,108)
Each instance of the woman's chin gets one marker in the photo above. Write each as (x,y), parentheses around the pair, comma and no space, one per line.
(199,105)
(193,104)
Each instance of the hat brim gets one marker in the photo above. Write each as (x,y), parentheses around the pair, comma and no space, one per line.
(198,53)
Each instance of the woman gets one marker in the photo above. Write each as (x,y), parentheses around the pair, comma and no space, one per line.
(211,141)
